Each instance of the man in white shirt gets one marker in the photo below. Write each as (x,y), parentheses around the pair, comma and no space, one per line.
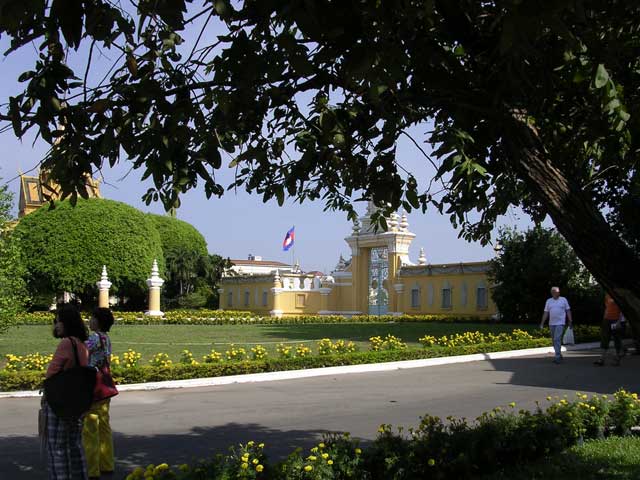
(558,311)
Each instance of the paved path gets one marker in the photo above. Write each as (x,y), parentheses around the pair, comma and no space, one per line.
(179,425)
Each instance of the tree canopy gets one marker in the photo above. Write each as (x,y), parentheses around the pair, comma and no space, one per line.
(177,235)
(13,292)
(524,103)
(528,265)
(65,248)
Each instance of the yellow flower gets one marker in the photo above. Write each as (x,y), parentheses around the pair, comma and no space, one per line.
(325,455)
(259,468)
(313,458)
(244,465)
(358,451)
(250,444)
(308,468)
(255,461)
(512,404)
(261,445)
(329,462)
(431,462)
(321,445)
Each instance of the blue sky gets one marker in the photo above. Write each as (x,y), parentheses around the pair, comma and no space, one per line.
(239,223)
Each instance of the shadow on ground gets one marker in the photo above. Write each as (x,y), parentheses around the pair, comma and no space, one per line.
(575,373)
(25,463)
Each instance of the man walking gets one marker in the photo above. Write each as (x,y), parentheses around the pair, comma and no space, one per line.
(558,311)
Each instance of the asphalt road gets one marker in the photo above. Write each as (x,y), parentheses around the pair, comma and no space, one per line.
(177,426)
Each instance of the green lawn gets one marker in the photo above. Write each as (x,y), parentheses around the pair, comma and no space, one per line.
(615,458)
(200,339)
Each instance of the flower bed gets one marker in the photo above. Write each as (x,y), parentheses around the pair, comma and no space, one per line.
(231,317)
(435,449)
(28,372)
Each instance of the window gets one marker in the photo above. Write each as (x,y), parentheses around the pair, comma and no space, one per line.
(300,301)
(265,298)
(230,299)
(446,297)
(415,297)
(482,298)
(247,297)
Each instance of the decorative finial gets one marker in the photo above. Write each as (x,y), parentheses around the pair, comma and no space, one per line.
(404,222)
(276,278)
(356,226)
(154,269)
(104,277)
(422,260)
(393,222)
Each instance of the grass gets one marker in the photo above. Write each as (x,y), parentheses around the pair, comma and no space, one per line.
(615,458)
(200,339)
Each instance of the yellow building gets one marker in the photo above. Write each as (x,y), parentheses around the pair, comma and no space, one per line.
(379,279)
(36,191)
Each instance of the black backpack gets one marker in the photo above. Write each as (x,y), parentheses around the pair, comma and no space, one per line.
(69,392)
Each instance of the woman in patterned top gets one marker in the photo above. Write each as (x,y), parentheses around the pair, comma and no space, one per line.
(96,434)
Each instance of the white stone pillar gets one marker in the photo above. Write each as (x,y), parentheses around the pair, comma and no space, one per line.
(103,289)
(154,282)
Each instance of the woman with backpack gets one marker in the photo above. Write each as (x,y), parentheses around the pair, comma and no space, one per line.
(63,436)
(96,435)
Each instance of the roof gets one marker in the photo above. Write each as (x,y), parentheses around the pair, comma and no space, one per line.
(259,263)
(315,273)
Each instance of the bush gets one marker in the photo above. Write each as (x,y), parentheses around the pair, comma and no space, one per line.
(64,249)
(435,449)
(238,317)
(129,369)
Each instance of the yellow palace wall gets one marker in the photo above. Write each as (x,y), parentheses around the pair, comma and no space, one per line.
(465,290)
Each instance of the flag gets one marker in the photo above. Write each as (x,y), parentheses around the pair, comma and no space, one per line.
(288,239)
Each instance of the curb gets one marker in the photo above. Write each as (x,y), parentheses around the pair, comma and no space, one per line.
(321,372)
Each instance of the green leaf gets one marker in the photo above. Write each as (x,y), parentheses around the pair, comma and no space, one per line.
(602,76)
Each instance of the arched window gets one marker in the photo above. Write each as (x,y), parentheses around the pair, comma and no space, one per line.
(415,296)
(482,296)
(447,297)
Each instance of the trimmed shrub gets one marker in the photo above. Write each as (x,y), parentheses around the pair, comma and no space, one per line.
(65,248)
(129,370)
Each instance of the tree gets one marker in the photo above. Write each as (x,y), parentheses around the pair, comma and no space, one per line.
(525,103)
(65,248)
(529,264)
(13,292)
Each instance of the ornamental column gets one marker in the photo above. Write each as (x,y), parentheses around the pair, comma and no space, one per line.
(154,282)
(103,289)
(276,290)
(399,307)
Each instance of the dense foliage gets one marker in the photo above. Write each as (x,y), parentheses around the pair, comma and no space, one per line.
(524,103)
(13,292)
(434,449)
(203,316)
(529,264)
(65,248)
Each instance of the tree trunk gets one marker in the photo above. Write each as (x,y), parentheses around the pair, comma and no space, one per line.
(611,262)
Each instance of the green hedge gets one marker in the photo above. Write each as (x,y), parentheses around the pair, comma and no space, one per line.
(435,449)
(232,317)
(29,380)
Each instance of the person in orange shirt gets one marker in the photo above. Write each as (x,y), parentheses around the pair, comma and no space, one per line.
(612,327)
